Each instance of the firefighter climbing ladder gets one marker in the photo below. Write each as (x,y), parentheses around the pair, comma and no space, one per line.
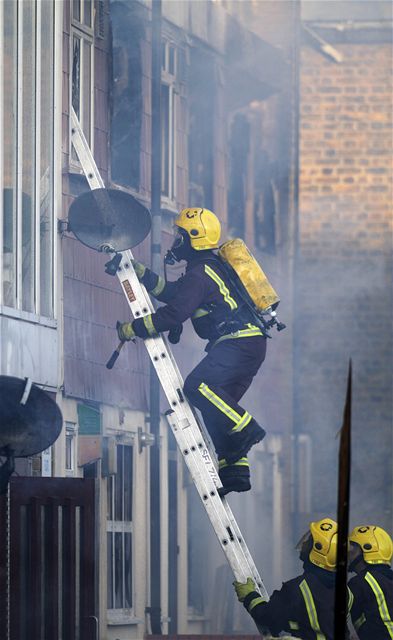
(181,417)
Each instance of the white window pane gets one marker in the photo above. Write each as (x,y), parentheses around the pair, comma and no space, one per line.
(171,60)
(87,12)
(46,163)
(109,570)
(76,10)
(86,89)
(128,570)
(28,156)
(119,479)
(119,570)
(76,75)
(68,453)
(165,139)
(9,152)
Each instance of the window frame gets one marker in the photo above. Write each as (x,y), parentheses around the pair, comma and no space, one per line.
(121,615)
(16,307)
(71,432)
(85,34)
(168,79)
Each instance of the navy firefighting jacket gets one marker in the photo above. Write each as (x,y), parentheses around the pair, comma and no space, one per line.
(372,608)
(304,606)
(204,294)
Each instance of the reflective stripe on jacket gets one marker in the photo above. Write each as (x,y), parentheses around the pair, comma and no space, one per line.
(372,609)
(304,607)
(203,294)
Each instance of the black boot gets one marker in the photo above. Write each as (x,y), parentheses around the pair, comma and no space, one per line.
(234,477)
(242,441)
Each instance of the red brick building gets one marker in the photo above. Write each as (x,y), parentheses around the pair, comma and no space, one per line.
(343,290)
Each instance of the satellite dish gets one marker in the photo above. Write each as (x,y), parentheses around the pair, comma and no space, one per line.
(108,218)
(30,421)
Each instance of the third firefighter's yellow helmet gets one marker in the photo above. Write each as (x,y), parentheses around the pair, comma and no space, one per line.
(375,543)
(324,548)
(202,226)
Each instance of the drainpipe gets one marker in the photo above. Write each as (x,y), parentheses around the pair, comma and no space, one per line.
(296,16)
(155,529)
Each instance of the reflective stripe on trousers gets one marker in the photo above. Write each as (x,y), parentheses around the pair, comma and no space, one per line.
(240,421)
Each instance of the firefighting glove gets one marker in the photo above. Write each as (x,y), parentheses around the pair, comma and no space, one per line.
(175,333)
(243,589)
(125,331)
(139,269)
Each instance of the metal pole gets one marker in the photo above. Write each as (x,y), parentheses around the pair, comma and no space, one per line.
(155,530)
(295,124)
(344,480)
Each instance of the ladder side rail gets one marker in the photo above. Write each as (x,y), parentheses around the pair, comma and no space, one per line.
(85,156)
(232,543)
(141,305)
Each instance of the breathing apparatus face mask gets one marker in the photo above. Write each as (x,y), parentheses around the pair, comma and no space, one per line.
(180,249)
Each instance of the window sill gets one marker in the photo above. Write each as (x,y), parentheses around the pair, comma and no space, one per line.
(168,206)
(195,616)
(26,316)
(119,619)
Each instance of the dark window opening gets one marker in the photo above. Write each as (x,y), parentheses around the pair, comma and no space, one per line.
(202,90)
(126,93)
(265,196)
(239,147)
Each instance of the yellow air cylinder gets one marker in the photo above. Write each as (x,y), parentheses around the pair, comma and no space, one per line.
(258,287)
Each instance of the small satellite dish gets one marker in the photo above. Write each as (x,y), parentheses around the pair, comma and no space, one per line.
(30,421)
(108,218)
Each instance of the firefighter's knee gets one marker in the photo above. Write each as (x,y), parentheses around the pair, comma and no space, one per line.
(191,389)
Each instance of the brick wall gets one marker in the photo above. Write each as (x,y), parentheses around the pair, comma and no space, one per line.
(343,285)
(346,146)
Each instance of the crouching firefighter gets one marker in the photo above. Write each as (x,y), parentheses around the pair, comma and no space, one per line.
(236,347)
(304,606)
(370,556)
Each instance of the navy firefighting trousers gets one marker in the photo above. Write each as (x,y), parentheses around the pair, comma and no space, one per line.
(219,381)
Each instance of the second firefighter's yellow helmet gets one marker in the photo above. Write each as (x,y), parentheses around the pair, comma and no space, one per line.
(324,548)
(202,226)
(375,543)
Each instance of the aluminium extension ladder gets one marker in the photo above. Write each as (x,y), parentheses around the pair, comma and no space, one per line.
(182,419)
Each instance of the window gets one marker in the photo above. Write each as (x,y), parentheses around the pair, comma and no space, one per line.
(27,176)
(128,32)
(201,127)
(82,67)
(70,448)
(168,120)
(266,201)
(302,465)
(119,535)
(239,145)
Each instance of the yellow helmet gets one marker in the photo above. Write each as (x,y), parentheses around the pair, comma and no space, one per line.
(324,548)
(375,543)
(202,226)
